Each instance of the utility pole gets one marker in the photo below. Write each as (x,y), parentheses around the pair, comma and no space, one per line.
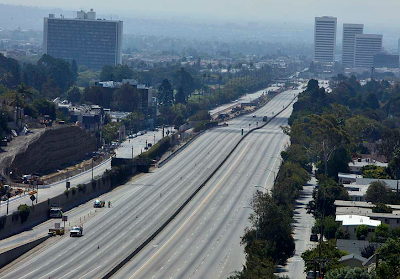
(92,169)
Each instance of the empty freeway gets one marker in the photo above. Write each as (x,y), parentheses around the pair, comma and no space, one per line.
(144,204)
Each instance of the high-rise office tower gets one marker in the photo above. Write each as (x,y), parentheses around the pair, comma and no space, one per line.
(367,45)
(91,42)
(398,47)
(325,39)
(349,42)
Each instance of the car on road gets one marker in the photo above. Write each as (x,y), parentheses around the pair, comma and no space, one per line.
(76,231)
(130,136)
(314,237)
(139,134)
(99,204)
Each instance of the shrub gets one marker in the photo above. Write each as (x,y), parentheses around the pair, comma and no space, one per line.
(73,190)
(381,208)
(66,192)
(24,211)
(368,250)
(362,232)
(81,188)
(157,150)
(199,127)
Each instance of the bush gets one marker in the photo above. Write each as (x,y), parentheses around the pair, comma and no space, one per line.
(368,250)
(24,211)
(73,190)
(200,116)
(381,208)
(362,232)
(82,188)
(157,150)
(199,127)
(66,192)
(381,233)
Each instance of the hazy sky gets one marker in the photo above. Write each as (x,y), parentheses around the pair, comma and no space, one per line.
(382,13)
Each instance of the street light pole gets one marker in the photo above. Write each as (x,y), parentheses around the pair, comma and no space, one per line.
(273,192)
(92,169)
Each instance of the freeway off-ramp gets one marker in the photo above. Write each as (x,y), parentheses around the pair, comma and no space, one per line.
(141,206)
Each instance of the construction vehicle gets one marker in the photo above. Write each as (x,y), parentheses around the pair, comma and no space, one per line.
(76,231)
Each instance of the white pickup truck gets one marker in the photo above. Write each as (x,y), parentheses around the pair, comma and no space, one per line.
(76,231)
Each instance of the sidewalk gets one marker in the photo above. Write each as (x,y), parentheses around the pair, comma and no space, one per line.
(302,225)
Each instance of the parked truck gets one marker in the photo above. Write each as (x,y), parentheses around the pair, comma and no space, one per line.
(55,211)
(265,118)
(76,231)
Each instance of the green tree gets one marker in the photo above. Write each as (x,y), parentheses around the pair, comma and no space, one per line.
(381,208)
(324,197)
(184,80)
(74,69)
(378,192)
(362,232)
(107,73)
(325,249)
(180,96)
(372,101)
(97,95)
(373,171)
(50,90)
(74,94)
(110,131)
(178,121)
(19,97)
(389,253)
(126,98)
(270,235)
(45,107)
(165,93)
(381,233)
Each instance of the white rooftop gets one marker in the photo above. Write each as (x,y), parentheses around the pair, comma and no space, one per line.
(356,220)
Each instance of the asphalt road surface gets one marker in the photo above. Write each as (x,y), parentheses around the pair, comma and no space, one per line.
(303,224)
(204,240)
(145,204)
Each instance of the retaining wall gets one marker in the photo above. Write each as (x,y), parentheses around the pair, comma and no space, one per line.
(7,257)
(13,224)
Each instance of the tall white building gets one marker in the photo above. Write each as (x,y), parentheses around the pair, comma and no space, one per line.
(325,39)
(367,45)
(349,42)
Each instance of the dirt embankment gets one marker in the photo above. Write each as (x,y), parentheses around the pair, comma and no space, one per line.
(47,149)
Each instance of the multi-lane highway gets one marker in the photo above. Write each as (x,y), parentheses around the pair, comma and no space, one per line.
(204,240)
(142,205)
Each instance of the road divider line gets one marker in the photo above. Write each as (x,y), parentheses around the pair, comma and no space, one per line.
(169,220)
(191,215)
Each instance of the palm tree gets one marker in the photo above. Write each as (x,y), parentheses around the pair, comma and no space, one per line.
(18,98)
